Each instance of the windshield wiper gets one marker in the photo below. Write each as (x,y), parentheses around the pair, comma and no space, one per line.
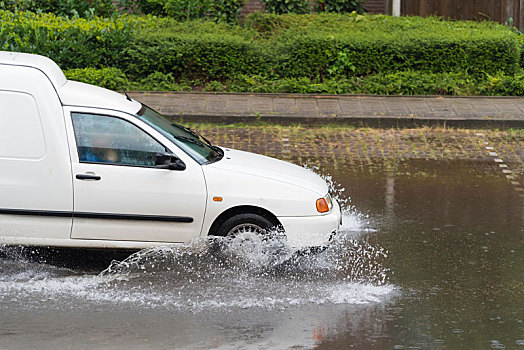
(189,139)
(219,152)
(217,149)
(198,136)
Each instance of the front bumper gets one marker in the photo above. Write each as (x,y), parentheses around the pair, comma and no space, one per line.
(311,231)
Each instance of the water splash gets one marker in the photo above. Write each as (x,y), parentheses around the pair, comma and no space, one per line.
(353,222)
(220,273)
(215,273)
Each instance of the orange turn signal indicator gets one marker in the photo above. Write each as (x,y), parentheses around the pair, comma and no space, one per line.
(217,199)
(322,205)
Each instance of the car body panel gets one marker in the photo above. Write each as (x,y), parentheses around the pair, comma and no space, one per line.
(43,201)
(35,169)
(152,198)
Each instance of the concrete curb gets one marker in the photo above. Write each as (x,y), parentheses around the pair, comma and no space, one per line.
(364,121)
(356,110)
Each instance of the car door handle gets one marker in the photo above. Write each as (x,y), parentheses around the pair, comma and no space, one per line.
(87,177)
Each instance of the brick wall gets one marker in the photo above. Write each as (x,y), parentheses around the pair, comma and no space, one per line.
(250,6)
(373,6)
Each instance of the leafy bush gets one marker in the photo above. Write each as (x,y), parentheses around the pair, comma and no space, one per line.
(202,56)
(184,10)
(109,78)
(415,83)
(504,85)
(227,10)
(73,8)
(340,6)
(152,7)
(286,6)
(187,9)
(375,44)
(264,24)
(158,81)
(318,53)
(294,46)
(399,83)
(72,43)
(313,55)
(115,79)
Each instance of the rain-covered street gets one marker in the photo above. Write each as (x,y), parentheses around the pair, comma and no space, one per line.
(430,256)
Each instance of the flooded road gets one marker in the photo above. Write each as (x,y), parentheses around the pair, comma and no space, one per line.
(430,256)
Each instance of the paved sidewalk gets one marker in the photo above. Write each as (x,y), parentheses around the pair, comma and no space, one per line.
(367,110)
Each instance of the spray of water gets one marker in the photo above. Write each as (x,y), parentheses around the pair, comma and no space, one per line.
(218,273)
(352,220)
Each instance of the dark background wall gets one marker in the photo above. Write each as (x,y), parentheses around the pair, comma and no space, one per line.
(373,6)
(495,10)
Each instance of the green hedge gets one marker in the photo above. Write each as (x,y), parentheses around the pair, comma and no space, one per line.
(324,46)
(398,83)
(72,43)
(116,79)
(373,44)
(203,56)
(313,55)
(78,8)
(290,52)
(109,78)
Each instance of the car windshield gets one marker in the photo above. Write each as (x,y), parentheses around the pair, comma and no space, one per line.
(195,145)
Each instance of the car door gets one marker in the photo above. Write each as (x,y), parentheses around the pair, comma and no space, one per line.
(119,194)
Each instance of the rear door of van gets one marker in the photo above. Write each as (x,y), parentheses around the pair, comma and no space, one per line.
(36,191)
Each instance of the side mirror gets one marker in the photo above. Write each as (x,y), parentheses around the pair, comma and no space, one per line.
(164,160)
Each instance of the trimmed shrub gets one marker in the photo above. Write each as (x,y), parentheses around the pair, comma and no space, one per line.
(109,78)
(314,55)
(66,8)
(315,47)
(340,6)
(503,85)
(227,10)
(216,10)
(192,56)
(152,7)
(287,53)
(360,45)
(399,83)
(185,10)
(72,43)
(158,81)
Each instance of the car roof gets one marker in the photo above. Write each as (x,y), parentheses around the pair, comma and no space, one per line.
(74,93)
(71,93)
(44,64)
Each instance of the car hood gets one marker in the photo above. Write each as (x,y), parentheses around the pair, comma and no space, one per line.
(270,168)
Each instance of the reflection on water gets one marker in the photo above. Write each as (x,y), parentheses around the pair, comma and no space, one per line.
(430,256)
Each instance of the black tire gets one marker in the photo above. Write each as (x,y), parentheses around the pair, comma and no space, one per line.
(249,222)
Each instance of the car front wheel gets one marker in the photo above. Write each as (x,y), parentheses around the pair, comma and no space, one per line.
(245,223)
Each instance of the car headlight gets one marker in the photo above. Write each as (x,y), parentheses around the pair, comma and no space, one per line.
(324,204)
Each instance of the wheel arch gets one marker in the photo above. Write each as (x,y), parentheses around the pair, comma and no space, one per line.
(243,209)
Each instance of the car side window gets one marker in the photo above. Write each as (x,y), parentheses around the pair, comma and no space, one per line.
(111,140)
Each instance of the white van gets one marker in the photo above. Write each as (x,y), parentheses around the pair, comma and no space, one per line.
(82,166)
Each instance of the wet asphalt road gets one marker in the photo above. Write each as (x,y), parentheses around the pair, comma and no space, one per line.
(430,256)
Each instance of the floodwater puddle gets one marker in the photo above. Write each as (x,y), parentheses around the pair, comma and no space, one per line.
(430,255)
